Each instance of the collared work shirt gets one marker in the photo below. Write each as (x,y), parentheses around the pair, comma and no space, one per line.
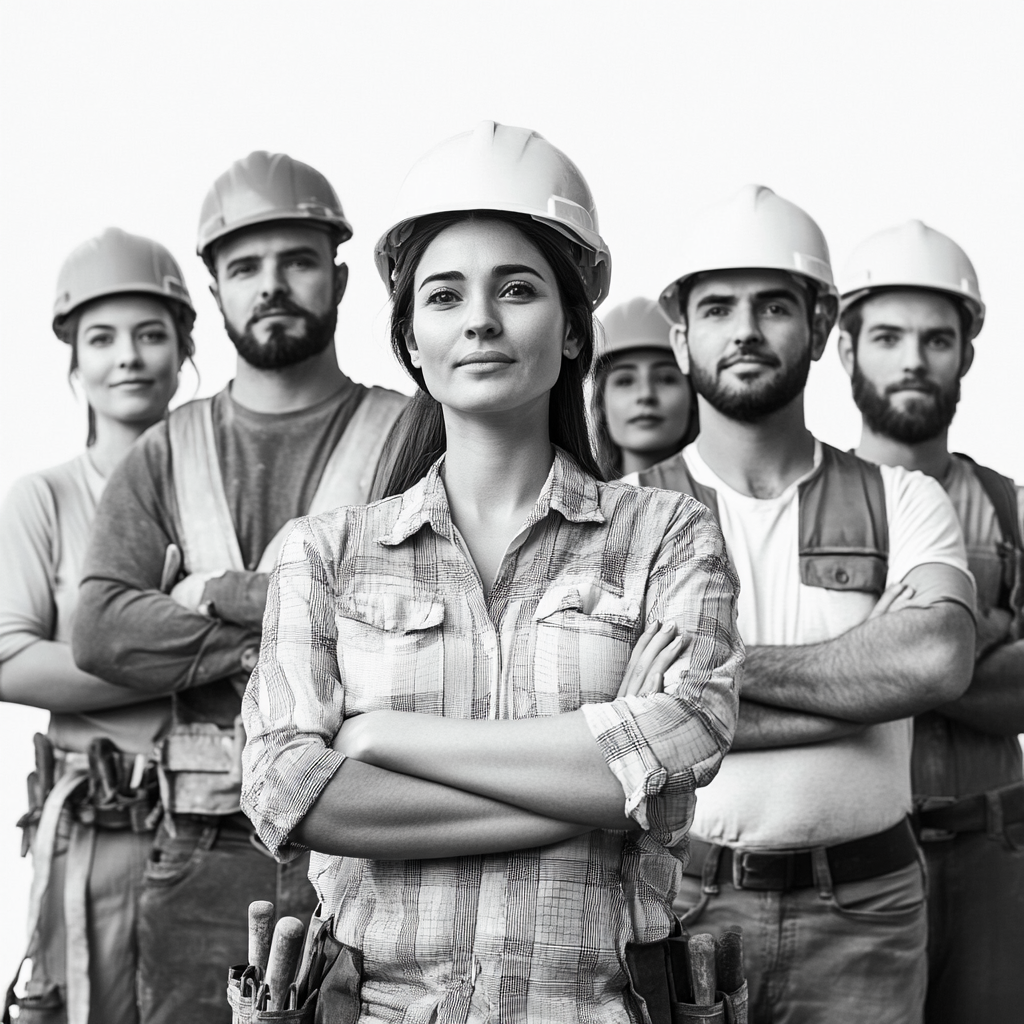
(380,607)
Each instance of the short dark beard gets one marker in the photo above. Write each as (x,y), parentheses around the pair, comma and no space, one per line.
(920,421)
(281,349)
(754,403)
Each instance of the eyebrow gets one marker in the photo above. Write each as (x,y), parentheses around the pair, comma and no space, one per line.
(502,270)
(135,327)
(766,296)
(929,331)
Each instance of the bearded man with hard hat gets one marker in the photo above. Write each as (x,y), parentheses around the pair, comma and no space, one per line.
(911,309)
(856,606)
(188,531)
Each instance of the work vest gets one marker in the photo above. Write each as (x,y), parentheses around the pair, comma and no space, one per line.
(200,762)
(844,530)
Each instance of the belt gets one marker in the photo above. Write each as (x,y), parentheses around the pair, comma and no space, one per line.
(854,861)
(941,817)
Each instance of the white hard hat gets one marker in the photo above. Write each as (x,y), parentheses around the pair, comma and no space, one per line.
(639,323)
(755,229)
(914,255)
(512,170)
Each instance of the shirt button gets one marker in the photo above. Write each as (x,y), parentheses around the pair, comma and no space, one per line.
(842,576)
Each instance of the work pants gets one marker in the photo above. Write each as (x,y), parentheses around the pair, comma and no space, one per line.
(852,953)
(194,913)
(111,864)
(975,930)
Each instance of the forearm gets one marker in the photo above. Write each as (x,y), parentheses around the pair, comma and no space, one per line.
(761,727)
(143,640)
(994,702)
(44,675)
(894,666)
(366,811)
(550,766)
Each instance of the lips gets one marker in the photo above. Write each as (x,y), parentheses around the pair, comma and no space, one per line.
(134,382)
(646,421)
(476,358)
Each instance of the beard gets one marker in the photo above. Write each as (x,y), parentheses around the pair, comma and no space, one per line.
(920,420)
(757,401)
(282,349)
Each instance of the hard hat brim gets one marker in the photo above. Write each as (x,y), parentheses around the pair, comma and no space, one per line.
(131,288)
(338,227)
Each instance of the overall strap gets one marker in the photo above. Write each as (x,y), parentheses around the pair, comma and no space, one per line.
(844,528)
(207,532)
(1002,492)
(348,475)
(674,475)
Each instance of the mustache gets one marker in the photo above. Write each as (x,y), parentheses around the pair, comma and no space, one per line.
(765,358)
(916,383)
(279,305)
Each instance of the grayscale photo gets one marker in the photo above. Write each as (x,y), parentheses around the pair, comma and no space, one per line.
(509,514)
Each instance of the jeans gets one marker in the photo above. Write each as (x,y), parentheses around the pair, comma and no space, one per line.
(975,930)
(194,914)
(115,875)
(852,953)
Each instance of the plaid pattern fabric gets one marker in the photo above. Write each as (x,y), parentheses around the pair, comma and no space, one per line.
(379,607)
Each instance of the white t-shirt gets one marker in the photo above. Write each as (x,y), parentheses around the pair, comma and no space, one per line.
(820,793)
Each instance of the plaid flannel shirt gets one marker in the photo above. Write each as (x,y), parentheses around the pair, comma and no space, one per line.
(379,607)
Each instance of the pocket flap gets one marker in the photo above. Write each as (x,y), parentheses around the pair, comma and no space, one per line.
(588,598)
(392,612)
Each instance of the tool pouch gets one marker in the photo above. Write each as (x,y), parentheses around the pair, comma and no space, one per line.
(243,982)
(731,1008)
(305,1014)
(40,782)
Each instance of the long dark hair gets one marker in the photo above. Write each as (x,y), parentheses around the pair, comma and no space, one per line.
(67,331)
(418,438)
(609,454)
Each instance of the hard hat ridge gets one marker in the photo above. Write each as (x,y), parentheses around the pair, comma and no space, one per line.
(116,263)
(504,169)
(265,187)
(913,255)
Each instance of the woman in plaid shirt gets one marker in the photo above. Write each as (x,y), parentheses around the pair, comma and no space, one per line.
(445,709)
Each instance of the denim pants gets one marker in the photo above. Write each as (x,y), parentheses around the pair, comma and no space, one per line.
(975,930)
(193,914)
(851,953)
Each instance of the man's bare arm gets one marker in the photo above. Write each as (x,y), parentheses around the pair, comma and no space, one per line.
(761,727)
(994,702)
(889,667)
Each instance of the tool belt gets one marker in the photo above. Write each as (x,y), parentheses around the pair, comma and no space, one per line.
(200,768)
(940,818)
(117,791)
(854,861)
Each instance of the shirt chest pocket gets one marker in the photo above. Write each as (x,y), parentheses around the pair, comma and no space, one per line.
(583,636)
(391,649)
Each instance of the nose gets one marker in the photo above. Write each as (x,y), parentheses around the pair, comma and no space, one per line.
(912,355)
(746,326)
(272,279)
(481,318)
(646,393)
(126,352)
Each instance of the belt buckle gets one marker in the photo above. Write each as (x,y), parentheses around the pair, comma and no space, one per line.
(933,803)
(745,870)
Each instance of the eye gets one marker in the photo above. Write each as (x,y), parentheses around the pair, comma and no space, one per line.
(518,290)
(443,296)
(942,343)
(622,380)
(776,309)
(716,311)
(300,263)
(100,338)
(154,335)
(668,378)
(242,269)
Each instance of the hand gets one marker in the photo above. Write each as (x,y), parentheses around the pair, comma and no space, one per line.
(895,599)
(655,652)
(189,592)
(993,630)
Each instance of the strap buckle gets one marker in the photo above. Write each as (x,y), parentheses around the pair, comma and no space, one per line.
(753,870)
(924,804)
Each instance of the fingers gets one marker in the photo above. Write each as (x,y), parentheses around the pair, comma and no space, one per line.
(894,597)
(651,645)
(655,679)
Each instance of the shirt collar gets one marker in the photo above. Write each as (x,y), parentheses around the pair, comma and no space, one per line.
(567,490)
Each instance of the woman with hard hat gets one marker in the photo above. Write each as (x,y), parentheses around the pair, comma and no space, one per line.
(123,310)
(446,708)
(642,407)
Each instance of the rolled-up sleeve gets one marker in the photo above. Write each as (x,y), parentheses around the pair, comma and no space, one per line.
(295,701)
(663,747)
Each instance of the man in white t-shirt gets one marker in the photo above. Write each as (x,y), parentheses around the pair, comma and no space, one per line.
(856,606)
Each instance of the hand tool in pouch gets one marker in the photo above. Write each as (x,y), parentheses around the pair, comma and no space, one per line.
(261,924)
(285,951)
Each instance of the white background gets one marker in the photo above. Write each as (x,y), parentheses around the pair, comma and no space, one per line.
(866,114)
